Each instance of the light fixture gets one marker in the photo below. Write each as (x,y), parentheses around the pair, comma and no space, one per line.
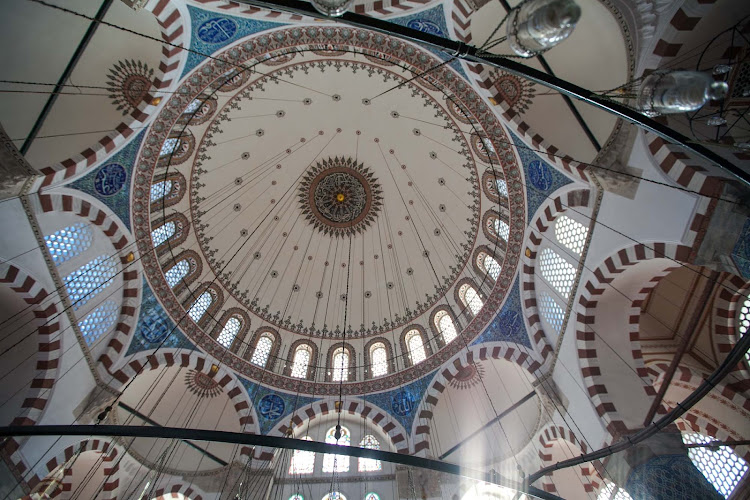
(666,92)
(332,8)
(538,25)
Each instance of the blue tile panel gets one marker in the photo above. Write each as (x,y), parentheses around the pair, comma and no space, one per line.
(508,325)
(402,403)
(273,406)
(669,477)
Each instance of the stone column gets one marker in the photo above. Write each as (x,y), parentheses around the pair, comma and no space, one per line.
(659,469)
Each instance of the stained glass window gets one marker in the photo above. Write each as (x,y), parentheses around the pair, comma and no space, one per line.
(170,145)
(445,325)
(303,462)
(502,187)
(471,298)
(199,308)
(551,311)
(85,282)
(557,271)
(608,492)
(335,495)
(69,242)
(229,332)
(369,464)
(301,362)
(262,351)
(502,229)
(416,347)
(379,360)
(163,233)
(160,190)
(744,322)
(331,461)
(570,233)
(491,266)
(723,468)
(177,272)
(98,322)
(340,365)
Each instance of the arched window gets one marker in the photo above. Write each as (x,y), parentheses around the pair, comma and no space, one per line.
(369,464)
(744,323)
(200,306)
(193,106)
(98,322)
(489,265)
(69,242)
(610,491)
(301,361)
(85,282)
(303,462)
(333,462)
(262,350)
(502,187)
(470,298)
(571,234)
(340,363)
(416,346)
(160,190)
(177,272)
(501,229)
(229,332)
(722,468)
(378,359)
(551,311)
(169,146)
(445,325)
(557,271)
(334,495)
(163,233)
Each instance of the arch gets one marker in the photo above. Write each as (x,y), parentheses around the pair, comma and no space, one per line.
(726,328)
(548,437)
(177,148)
(96,215)
(168,194)
(472,302)
(351,362)
(172,20)
(312,361)
(515,353)
(333,462)
(238,340)
(390,357)
(478,258)
(176,238)
(194,271)
(211,310)
(495,188)
(200,110)
(435,318)
(490,221)
(406,348)
(275,346)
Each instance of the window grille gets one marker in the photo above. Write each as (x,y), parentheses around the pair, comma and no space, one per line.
(571,234)
(88,280)
(722,468)
(69,242)
(262,351)
(163,233)
(229,332)
(98,322)
(557,271)
(199,308)
(160,190)
(177,272)
(551,311)
(301,362)
(379,360)
(416,347)
(445,325)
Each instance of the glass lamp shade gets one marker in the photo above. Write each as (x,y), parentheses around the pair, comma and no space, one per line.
(538,25)
(678,92)
(332,8)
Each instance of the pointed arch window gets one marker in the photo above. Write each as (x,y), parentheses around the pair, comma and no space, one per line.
(415,344)
(331,461)
(471,298)
(334,495)
(177,272)
(557,271)
(501,229)
(160,190)
(303,462)
(88,280)
(200,306)
(551,311)
(446,327)
(69,242)
(722,468)
(379,359)
(301,361)
(229,332)
(570,233)
(163,233)
(262,350)
(369,464)
(98,322)
(340,365)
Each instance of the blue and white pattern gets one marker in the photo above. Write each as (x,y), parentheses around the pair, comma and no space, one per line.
(402,403)
(425,26)
(508,325)
(163,233)
(160,190)
(271,407)
(87,281)
(217,30)
(110,179)
(177,272)
(69,242)
(98,322)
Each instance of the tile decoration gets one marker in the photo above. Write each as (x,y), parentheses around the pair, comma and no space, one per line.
(402,402)
(272,407)
(212,31)
(110,183)
(508,325)
(741,251)
(542,179)
(669,477)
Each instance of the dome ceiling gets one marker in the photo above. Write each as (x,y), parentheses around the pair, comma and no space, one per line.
(324,188)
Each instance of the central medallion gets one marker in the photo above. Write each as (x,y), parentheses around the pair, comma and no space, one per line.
(340,197)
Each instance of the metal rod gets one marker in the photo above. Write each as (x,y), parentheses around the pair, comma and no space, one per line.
(271,442)
(472,54)
(65,76)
